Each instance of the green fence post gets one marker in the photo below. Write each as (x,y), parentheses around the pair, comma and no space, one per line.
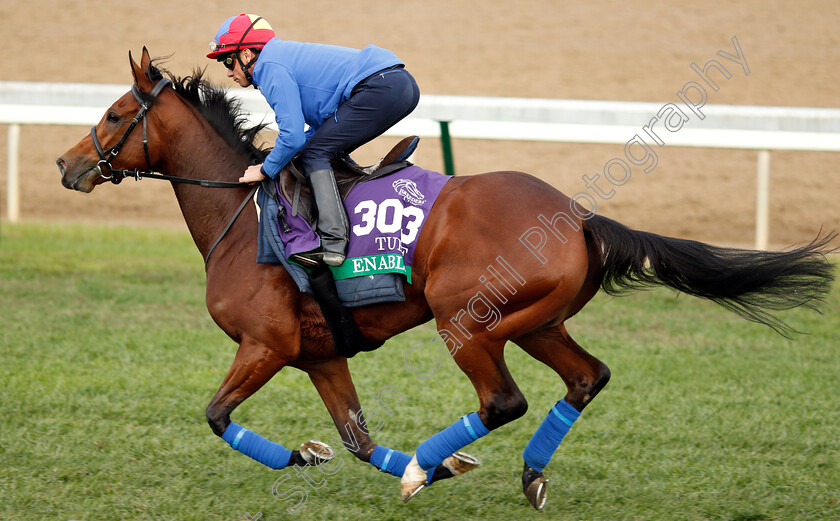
(446,145)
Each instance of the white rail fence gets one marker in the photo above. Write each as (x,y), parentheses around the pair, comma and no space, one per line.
(574,121)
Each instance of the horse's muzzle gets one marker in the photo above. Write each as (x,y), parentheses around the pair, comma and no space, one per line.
(84,181)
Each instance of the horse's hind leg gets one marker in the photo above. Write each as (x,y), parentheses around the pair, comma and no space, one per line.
(500,402)
(584,376)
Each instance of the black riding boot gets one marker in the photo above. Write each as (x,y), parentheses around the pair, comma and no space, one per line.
(332,226)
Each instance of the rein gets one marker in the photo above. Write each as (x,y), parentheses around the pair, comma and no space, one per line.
(138,175)
(229,224)
(116,175)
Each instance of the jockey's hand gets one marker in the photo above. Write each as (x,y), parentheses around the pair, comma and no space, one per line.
(252,175)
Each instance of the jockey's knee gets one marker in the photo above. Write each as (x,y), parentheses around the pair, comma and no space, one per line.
(316,158)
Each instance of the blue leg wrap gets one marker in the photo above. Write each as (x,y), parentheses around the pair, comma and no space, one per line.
(256,447)
(393,462)
(433,451)
(545,441)
(389,460)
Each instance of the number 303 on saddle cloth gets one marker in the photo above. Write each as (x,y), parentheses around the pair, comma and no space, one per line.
(386,217)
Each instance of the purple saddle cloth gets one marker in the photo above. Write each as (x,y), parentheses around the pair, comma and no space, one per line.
(386,216)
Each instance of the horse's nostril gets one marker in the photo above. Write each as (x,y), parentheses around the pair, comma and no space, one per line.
(62,166)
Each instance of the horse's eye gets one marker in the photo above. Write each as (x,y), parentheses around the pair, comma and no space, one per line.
(113,118)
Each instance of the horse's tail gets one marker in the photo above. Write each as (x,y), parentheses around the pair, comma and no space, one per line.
(750,283)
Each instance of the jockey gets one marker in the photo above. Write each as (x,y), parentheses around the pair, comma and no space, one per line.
(346,96)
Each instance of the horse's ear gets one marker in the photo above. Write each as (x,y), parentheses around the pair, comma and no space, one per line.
(145,60)
(140,78)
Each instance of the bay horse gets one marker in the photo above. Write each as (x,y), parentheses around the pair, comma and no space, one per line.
(502,257)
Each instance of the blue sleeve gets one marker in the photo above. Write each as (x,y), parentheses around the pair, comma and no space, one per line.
(283,95)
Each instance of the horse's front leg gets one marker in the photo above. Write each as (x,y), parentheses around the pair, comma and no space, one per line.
(253,366)
(333,382)
(335,385)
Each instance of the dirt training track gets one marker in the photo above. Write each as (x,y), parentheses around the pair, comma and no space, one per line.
(544,48)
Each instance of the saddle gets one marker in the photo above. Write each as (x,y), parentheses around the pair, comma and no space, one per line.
(294,186)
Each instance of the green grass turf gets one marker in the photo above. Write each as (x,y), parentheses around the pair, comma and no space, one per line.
(108,358)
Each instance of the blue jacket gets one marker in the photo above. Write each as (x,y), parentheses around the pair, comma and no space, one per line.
(305,83)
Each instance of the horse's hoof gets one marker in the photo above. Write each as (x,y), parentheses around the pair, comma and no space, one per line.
(460,463)
(534,487)
(315,452)
(413,480)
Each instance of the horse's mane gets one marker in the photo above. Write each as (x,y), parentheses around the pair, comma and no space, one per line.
(224,113)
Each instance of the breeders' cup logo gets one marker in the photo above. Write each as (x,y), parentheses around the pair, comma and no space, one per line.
(408,190)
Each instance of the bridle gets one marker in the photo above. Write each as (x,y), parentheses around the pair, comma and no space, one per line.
(107,171)
(105,157)
(116,175)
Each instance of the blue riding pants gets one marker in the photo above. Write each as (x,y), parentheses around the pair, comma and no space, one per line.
(375,105)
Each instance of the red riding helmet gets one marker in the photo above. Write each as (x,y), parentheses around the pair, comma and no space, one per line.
(246,31)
